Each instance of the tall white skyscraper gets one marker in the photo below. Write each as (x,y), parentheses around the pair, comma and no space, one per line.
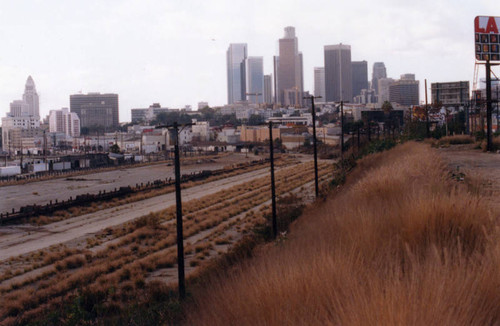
(24,114)
(236,55)
(254,79)
(29,105)
(383,85)
(319,83)
(64,121)
(30,97)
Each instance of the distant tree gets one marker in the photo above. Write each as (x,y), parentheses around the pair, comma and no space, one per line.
(114,149)
(387,107)
(124,127)
(207,113)
(161,118)
(255,120)
(167,118)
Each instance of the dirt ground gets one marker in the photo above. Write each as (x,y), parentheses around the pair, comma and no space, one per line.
(20,239)
(42,192)
(486,166)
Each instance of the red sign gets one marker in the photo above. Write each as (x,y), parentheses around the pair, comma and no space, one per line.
(487,38)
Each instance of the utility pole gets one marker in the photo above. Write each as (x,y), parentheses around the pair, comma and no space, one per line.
(178,202)
(142,134)
(342,129)
(357,127)
(273,186)
(166,145)
(45,150)
(467,122)
(316,185)
(489,146)
(427,127)
(498,122)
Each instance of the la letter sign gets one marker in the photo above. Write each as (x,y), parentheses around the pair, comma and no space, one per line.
(487,38)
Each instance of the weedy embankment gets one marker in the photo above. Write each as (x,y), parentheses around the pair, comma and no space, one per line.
(405,244)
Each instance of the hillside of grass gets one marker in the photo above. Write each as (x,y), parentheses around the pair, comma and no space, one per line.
(402,243)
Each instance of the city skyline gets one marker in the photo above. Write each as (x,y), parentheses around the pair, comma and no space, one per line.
(150,52)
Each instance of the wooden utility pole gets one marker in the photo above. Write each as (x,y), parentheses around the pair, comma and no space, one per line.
(427,123)
(178,202)
(342,129)
(489,145)
(316,182)
(273,187)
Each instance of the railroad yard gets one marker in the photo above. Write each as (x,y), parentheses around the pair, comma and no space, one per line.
(128,242)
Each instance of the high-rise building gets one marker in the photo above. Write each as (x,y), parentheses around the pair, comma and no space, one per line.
(56,121)
(367,96)
(289,70)
(236,55)
(30,97)
(379,71)
(24,115)
(407,77)
(18,108)
(319,83)
(11,123)
(405,91)
(383,89)
(359,77)
(452,93)
(338,73)
(29,105)
(202,105)
(254,79)
(268,89)
(96,110)
(148,114)
(63,121)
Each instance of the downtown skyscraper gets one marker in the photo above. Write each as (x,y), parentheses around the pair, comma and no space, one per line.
(319,83)
(29,105)
(379,72)
(268,89)
(96,110)
(338,73)
(359,77)
(236,55)
(30,97)
(254,79)
(289,83)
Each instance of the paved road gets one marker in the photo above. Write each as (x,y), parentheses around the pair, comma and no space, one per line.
(43,192)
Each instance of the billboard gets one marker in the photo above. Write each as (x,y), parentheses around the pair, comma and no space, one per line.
(487,38)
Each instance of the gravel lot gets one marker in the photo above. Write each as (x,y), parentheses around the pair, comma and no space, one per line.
(42,192)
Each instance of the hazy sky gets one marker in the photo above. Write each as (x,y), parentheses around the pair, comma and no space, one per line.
(174,51)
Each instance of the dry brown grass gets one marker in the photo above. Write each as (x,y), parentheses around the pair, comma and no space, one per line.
(495,144)
(455,140)
(141,247)
(403,245)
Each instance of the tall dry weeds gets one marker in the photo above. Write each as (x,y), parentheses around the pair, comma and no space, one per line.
(404,245)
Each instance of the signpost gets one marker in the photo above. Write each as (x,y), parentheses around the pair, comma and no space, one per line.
(487,43)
